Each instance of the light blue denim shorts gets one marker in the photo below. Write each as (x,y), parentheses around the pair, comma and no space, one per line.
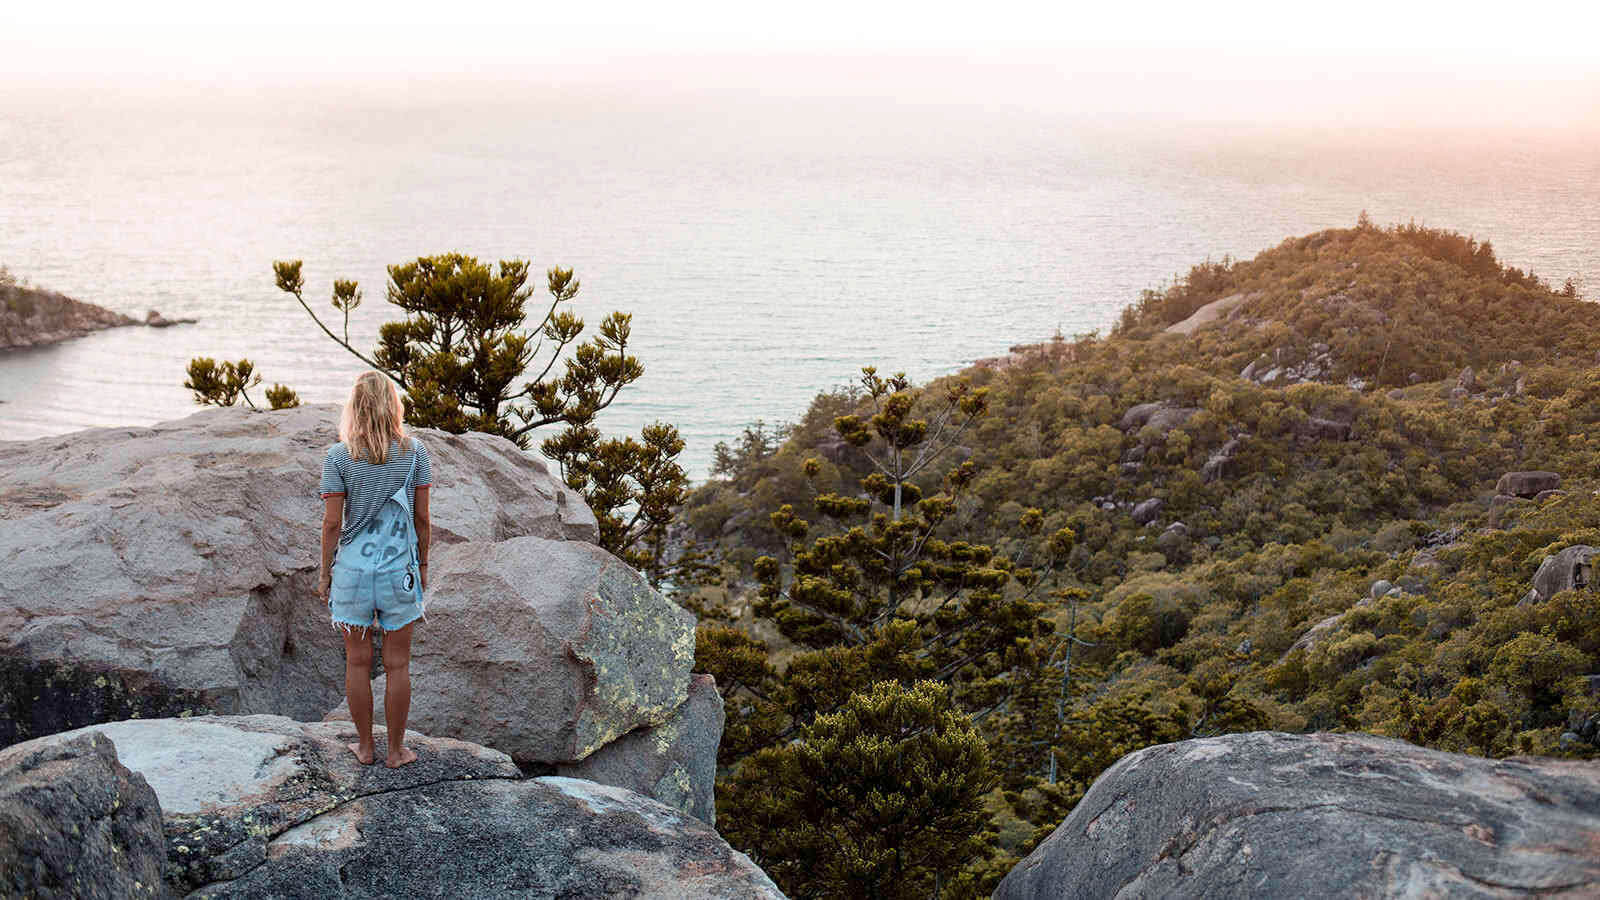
(392,599)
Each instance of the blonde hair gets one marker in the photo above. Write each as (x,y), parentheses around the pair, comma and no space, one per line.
(374,416)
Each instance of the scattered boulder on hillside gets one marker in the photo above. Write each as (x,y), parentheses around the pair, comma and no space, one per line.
(1290,365)
(1501,505)
(546,650)
(1161,424)
(74,822)
(263,806)
(1316,634)
(173,569)
(1324,429)
(1570,570)
(1527,484)
(1267,814)
(1213,312)
(1467,380)
(1147,511)
(1542,496)
(1136,416)
(1220,464)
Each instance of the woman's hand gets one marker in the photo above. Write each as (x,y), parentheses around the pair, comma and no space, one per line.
(423,571)
(327,585)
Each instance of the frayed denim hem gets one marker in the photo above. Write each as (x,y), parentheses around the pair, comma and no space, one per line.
(347,626)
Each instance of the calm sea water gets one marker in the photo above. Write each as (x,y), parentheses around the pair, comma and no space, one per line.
(765,250)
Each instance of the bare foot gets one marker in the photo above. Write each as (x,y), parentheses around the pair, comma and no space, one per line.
(364,755)
(403,756)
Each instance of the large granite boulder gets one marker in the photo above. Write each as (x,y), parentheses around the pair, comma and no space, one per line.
(674,762)
(1527,484)
(173,569)
(263,806)
(546,650)
(75,823)
(1571,569)
(1336,815)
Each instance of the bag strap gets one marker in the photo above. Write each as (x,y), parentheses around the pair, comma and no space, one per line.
(416,451)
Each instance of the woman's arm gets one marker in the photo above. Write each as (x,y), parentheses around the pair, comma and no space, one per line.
(424,526)
(332,522)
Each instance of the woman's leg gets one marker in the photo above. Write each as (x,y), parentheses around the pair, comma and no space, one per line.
(358,687)
(397,694)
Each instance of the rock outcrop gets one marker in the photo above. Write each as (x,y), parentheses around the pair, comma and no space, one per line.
(74,822)
(546,650)
(674,762)
(1212,313)
(263,806)
(1526,484)
(173,569)
(30,317)
(1272,815)
(1569,570)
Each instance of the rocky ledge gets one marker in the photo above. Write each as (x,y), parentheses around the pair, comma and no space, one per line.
(1337,815)
(172,571)
(30,317)
(263,806)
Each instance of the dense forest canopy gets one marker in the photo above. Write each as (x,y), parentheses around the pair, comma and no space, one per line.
(1286,518)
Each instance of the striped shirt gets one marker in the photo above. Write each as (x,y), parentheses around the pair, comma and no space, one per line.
(365,486)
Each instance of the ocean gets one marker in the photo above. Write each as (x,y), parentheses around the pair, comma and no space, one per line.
(766,249)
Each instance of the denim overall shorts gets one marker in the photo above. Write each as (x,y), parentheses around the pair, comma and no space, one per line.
(375,575)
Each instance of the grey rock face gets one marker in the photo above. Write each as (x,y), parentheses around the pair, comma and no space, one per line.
(1336,815)
(546,650)
(548,837)
(1137,416)
(171,569)
(1316,634)
(263,806)
(674,762)
(75,823)
(1220,464)
(1162,422)
(1146,511)
(1571,569)
(1527,484)
(1324,429)
(1502,504)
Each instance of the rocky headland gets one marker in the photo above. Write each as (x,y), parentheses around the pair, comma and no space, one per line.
(30,317)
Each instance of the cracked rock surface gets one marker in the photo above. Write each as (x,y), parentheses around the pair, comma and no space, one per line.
(172,569)
(264,806)
(1340,815)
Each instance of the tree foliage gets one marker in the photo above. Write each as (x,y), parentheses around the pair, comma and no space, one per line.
(881,799)
(462,353)
(1254,599)
(226,383)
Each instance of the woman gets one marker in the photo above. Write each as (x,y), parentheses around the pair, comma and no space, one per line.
(375,539)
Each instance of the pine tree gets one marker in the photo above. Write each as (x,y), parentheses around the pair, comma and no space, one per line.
(460,355)
(881,799)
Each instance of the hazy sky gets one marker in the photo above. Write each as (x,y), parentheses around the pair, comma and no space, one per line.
(1529,62)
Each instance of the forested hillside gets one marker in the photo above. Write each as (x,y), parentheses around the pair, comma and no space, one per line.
(1268,500)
